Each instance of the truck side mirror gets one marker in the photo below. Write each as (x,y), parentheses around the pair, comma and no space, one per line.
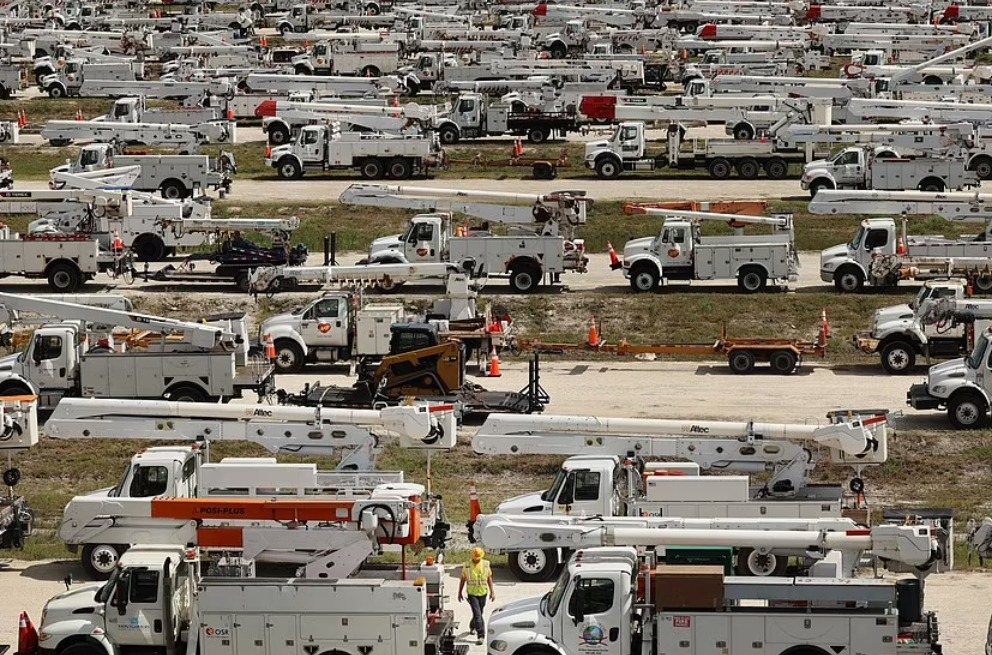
(121,592)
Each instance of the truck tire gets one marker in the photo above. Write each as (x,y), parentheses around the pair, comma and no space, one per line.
(849,280)
(57,91)
(15,389)
(186,393)
(741,362)
(448,135)
(983,284)
(750,562)
(100,560)
(644,278)
(777,168)
(537,135)
(371,71)
(751,279)
(533,564)
(289,356)
(558,50)
(719,168)
(149,248)
(289,169)
(173,189)
(4,93)
(372,169)
(64,277)
(525,278)
(81,648)
(933,80)
(285,28)
(783,362)
(933,184)
(743,131)
(982,167)
(898,358)
(967,410)
(748,168)
(399,168)
(608,168)
(816,185)
(278,134)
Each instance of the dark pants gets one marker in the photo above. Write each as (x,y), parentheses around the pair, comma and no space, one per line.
(478,604)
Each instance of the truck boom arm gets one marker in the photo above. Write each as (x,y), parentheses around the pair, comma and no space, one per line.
(954,206)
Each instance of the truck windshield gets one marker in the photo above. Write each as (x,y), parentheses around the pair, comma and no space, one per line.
(858,238)
(89,157)
(118,491)
(104,592)
(552,491)
(976,354)
(556,595)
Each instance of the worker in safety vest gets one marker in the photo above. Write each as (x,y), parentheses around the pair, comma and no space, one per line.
(477,577)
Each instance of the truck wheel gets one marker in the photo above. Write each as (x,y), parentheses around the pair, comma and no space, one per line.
(289,356)
(525,278)
(741,362)
(982,167)
(186,393)
(57,91)
(544,170)
(776,168)
(719,168)
(285,29)
(399,168)
(849,280)
(278,134)
(748,168)
(533,564)
(933,80)
(898,358)
(753,563)
(967,410)
(743,131)
(933,185)
(644,278)
(983,284)
(558,50)
(64,277)
(59,143)
(448,135)
(783,362)
(4,93)
(100,560)
(173,189)
(14,389)
(81,648)
(751,280)
(371,71)
(608,168)
(289,169)
(372,169)
(149,248)
(537,135)
(301,70)
(816,185)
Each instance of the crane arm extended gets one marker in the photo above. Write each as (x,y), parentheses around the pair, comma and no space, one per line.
(359,274)
(777,221)
(279,429)
(907,73)
(957,206)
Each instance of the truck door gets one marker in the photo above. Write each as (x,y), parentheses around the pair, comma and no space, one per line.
(135,616)
(594,618)
(422,243)
(48,361)
(630,141)
(467,114)
(320,56)
(325,323)
(849,169)
(311,144)
(581,494)
(676,247)
(940,331)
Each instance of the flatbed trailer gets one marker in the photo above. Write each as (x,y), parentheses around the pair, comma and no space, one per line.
(785,356)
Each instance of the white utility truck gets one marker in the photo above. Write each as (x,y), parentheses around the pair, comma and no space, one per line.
(185,137)
(883,169)
(473,116)
(881,254)
(679,252)
(180,361)
(606,476)
(374,155)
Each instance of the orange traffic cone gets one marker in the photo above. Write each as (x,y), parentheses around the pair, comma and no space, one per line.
(901,248)
(117,244)
(79,114)
(593,339)
(27,636)
(270,347)
(614,258)
(475,507)
(518,148)
(230,114)
(826,325)
(494,364)
(265,42)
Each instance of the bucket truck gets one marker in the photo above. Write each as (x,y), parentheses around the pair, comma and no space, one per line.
(959,386)
(186,137)
(18,431)
(166,358)
(931,71)
(681,253)
(108,521)
(605,475)
(473,116)
(882,256)
(539,246)
(610,597)
(283,118)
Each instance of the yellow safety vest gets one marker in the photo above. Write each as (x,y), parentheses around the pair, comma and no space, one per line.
(477,577)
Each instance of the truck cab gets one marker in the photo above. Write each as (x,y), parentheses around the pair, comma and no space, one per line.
(145,604)
(583,486)
(623,151)
(424,240)
(848,265)
(48,367)
(961,386)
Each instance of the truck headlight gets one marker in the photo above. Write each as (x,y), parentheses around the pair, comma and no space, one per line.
(497,645)
(939,389)
(44,636)
(829,266)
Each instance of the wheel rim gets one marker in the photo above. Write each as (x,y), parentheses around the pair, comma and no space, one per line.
(983,283)
(286,358)
(608,169)
(721,170)
(172,193)
(782,362)
(524,281)
(752,281)
(761,564)
(288,170)
(967,413)
(984,170)
(644,281)
(62,279)
(398,171)
(371,171)
(103,559)
(849,282)
(532,562)
(897,359)
(741,362)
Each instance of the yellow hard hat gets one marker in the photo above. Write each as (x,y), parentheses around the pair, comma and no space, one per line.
(478,553)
